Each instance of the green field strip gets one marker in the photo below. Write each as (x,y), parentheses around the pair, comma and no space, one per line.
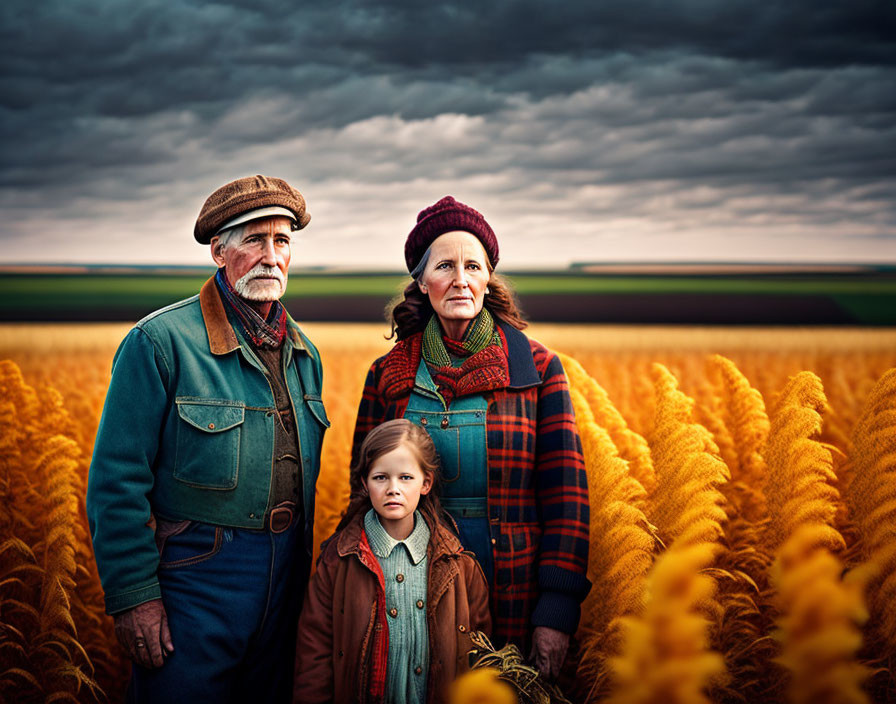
(709,285)
(40,291)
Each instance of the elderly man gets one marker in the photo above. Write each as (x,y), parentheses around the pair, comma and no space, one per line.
(201,490)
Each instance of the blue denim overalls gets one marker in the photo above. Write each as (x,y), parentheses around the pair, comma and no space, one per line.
(459,435)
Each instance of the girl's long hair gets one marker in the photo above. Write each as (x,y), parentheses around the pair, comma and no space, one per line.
(381,440)
(411,311)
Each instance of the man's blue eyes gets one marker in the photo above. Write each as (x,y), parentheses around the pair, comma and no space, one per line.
(252,239)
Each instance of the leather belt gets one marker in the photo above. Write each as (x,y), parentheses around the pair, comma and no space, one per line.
(281,517)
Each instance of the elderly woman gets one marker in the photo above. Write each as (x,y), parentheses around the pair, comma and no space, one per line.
(497,406)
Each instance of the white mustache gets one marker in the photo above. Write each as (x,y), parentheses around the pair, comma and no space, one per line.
(260,271)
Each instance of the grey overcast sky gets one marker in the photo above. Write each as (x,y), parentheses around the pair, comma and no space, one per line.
(614,130)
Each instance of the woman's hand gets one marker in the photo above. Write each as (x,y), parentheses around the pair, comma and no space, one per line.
(549,648)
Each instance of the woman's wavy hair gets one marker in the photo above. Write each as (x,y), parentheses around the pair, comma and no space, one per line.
(410,311)
(381,440)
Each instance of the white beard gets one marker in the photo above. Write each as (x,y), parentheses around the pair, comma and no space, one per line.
(253,288)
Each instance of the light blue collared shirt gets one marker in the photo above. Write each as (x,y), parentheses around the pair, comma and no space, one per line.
(405,569)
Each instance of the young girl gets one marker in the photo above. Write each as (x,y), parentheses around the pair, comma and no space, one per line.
(388,613)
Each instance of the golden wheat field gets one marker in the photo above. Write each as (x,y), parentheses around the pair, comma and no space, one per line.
(743,503)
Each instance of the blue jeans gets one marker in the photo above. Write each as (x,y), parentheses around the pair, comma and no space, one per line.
(232,597)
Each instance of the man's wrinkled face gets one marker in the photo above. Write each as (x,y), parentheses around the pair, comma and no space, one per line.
(257,265)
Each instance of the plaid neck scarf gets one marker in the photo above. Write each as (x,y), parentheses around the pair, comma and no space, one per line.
(481,333)
(260,331)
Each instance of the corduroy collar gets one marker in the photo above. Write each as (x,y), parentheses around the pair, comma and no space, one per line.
(442,541)
(383,544)
(221,336)
(523,372)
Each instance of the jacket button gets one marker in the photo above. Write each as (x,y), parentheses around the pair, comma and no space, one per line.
(419,603)
(424,421)
(399,578)
(418,670)
(211,426)
(445,422)
(393,612)
(340,653)
(462,628)
(494,541)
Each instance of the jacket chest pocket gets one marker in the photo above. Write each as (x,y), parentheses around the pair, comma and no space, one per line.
(208,443)
(316,429)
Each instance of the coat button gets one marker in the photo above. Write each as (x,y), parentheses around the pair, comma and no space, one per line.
(418,670)
(419,603)
(211,426)
(424,421)
(399,578)
(393,612)
(494,541)
(445,422)
(462,628)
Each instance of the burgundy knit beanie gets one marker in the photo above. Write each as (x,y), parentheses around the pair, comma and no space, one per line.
(446,216)
(243,195)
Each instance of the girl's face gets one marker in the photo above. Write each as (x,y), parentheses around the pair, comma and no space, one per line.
(395,483)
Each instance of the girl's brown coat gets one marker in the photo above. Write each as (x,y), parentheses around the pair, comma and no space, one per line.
(343,633)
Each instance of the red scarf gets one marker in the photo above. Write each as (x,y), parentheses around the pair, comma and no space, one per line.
(260,331)
(482,371)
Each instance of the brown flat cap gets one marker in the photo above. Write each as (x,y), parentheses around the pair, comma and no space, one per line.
(246,194)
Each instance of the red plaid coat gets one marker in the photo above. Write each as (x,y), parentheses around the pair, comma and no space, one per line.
(537,489)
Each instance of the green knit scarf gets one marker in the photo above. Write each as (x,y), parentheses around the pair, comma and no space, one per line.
(481,333)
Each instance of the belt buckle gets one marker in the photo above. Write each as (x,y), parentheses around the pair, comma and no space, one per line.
(280,518)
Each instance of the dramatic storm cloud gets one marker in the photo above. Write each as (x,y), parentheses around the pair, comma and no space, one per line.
(631,130)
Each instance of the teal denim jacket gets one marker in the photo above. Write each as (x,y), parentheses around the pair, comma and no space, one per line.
(187,432)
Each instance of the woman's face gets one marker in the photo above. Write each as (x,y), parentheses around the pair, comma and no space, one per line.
(455,279)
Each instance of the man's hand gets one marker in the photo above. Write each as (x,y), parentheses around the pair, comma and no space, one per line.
(549,648)
(143,633)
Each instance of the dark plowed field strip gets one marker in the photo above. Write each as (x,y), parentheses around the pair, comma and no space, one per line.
(866,298)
